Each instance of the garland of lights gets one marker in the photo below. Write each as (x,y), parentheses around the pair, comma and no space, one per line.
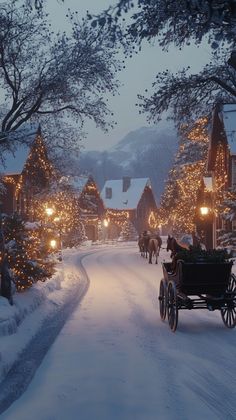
(117,217)
(220,175)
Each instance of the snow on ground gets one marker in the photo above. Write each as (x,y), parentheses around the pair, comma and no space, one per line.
(115,359)
(20,323)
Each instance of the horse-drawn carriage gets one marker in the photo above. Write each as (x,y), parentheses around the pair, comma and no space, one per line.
(198,285)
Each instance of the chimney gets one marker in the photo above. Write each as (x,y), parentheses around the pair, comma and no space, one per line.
(126,183)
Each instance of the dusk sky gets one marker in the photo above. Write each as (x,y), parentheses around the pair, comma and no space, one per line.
(138,75)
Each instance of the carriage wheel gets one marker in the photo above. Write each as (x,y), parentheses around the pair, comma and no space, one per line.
(228,313)
(162,300)
(172,306)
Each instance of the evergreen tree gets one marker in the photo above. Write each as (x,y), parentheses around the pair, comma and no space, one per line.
(178,203)
(38,171)
(128,232)
(27,252)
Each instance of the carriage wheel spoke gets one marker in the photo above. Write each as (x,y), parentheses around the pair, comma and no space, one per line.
(172,307)
(229,317)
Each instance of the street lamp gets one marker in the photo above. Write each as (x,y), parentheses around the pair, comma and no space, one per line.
(106,222)
(53,243)
(105,230)
(55,222)
(204,210)
(206,222)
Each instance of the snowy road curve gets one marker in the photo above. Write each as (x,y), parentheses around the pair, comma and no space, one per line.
(115,359)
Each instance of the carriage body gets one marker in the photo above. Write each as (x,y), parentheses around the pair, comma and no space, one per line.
(198,285)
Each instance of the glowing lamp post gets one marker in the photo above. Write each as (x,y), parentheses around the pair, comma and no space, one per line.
(53,243)
(105,223)
(105,230)
(55,222)
(207,217)
(204,210)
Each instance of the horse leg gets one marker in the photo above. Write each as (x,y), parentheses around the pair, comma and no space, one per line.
(143,252)
(157,255)
(150,257)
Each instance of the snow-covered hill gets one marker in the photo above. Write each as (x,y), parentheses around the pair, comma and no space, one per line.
(146,152)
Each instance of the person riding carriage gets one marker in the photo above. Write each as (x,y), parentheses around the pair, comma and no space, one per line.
(188,242)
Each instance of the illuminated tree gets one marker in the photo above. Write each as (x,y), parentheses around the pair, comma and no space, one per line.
(220,175)
(178,203)
(128,232)
(27,252)
(65,220)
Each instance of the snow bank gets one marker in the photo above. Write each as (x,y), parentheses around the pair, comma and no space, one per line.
(31,309)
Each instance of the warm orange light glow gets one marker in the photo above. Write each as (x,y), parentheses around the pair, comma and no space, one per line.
(204,211)
(53,243)
(106,222)
(49,211)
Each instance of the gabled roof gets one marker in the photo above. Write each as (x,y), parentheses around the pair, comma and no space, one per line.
(228,117)
(78,182)
(124,200)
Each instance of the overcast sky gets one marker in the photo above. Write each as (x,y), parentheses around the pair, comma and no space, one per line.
(138,75)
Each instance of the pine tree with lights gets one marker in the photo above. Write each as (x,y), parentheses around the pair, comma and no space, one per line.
(178,203)
(220,174)
(37,174)
(65,220)
(128,232)
(26,252)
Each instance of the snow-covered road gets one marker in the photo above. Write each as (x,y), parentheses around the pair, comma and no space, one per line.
(115,359)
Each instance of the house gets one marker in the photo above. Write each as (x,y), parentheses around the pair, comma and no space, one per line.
(26,171)
(90,204)
(222,161)
(128,198)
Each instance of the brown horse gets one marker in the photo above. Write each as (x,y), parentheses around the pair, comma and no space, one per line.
(173,246)
(143,244)
(153,249)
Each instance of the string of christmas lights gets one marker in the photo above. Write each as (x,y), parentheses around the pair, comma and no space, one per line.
(179,200)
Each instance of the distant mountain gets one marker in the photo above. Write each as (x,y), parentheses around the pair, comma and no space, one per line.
(145,152)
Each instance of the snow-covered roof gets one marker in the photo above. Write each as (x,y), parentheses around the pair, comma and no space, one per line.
(229,120)
(124,200)
(78,182)
(208,183)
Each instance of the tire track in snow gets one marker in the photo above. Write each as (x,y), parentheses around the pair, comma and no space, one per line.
(146,334)
(153,338)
